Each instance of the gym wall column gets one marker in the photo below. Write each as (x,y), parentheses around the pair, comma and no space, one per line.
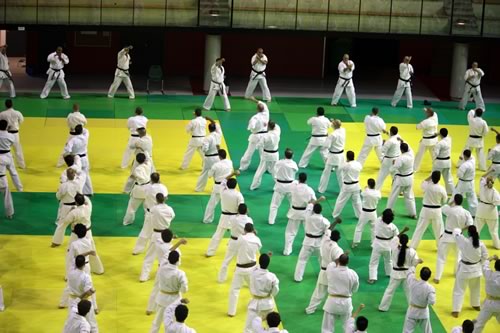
(212,52)
(458,68)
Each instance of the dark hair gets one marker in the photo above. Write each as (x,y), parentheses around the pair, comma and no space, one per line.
(79,199)
(467,153)
(343,259)
(474,235)
(173,257)
(320,111)
(8,103)
(80,261)
(388,215)
(404,147)
(139,110)
(497,265)
(361,323)
(394,130)
(80,230)
(375,111)
(371,183)
(302,177)
(288,153)
(160,198)
(403,240)
(249,227)
(242,209)
(181,313)
(231,183)
(350,155)
(222,153)
(468,326)
(140,158)
(498,137)
(458,199)
(271,124)
(479,112)
(84,307)
(317,209)
(264,261)
(273,319)
(69,160)
(197,112)
(425,273)
(436,176)
(155,177)
(212,127)
(78,129)
(444,132)
(167,235)
(335,235)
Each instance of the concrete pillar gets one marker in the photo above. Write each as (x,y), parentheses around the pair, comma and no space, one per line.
(3,37)
(212,52)
(458,68)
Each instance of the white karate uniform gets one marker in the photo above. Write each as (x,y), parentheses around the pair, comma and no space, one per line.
(237,229)
(434,197)
(171,283)
(301,196)
(14,120)
(161,217)
(170,323)
(258,75)
(429,128)
(385,240)
(399,275)
(473,87)
(6,75)
(422,294)
(78,283)
(76,323)
(284,176)
(442,162)
(230,199)
(133,123)
(219,172)
(369,201)
(487,212)
(494,157)
(257,327)
(248,245)
(122,75)
(141,176)
(469,271)
(342,283)
(456,217)
(403,182)
(257,127)
(78,145)
(404,85)
(80,246)
(330,251)
(390,151)
(197,128)
(73,119)
(211,156)
(350,189)
(335,144)
(217,86)
(478,129)
(491,305)
(319,135)
(270,155)
(7,140)
(264,286)
(374,126)
(8,204)
(143,145)
(315,228)
(345,82)
(56,73)
(66,196)
(466,175)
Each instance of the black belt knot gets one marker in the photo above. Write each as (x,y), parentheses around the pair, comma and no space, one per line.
(323,268)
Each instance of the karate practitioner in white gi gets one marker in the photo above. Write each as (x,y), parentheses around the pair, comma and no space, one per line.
(78,145)
(270,153)
(466,174)
(122,74)
(369,202)
(494,156)
(404,83)
(273,320)
(141,176)
(434,197)
(472,79)
(66,194)
(217,86)
(14,118)
(76,322)
(257,126)
(133,123)
(491,305)
(478,129)
(404,260)
(80,246)
(429,128)
(319,133)
(248,245)
(197,128)
(343,282)
(7,140)
(74,118)
(264,286)
(56,61)
(175,316)
(5,73)
(390,151)
(8,204)
(258,75)
(350,189)
(469,272)
(403,181)
(335,143)
(374,127)
(456,217)
(422,294)
(487,213)
(346,67)
(210,147)
(284,176)
(442,159)
(143,145)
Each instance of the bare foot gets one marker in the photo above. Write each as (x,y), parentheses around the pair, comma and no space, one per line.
(455,314)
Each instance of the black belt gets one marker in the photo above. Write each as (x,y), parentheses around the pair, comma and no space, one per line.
(227,213)
(369,210)
(391,156)
(257,73)
(197,136)
(217,183)
(261,132)
(432,206)
(158,230)
(465,180)
(13,132)
(383,238)
(284,181)
(472,85)
(336,152)
(469,263)
(69,203)
(319,135)
(135,135)
(495,162)
(400,269)
(234,238)
(408,175)
(313,236)
(448,232)
(430,137)
(299,208)
(4,151)
(211,155)
(2,176)
(142,184)
(443,158)
(372,134)
(6,72)
(82,155)
(56,71)
(409,80)
(323,268)
(486,203)
(123,70)
(475,136)
(351,183)
(271,151)
(72,133)
(148,210)
(346,81)
(250,264)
